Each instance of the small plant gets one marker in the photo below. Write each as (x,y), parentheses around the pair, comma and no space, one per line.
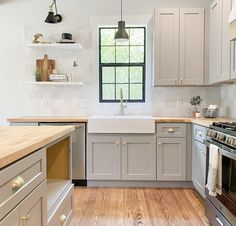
(195,101)
(38,75)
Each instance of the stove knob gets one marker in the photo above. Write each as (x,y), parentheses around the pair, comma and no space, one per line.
(232,141)
(213,134)
(221,137)
(209,132)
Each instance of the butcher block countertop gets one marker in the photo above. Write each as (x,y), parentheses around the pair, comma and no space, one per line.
(36,119)
(18,141)
(200,121)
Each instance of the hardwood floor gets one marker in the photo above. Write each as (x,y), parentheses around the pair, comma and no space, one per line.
(137,207)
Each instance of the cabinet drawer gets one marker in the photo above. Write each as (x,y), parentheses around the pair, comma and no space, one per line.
(171,130)
(63,212)
(199,133)
(19,179)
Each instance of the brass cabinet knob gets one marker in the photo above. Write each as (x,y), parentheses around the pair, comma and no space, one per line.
(63,219)
(170,130)
(24,220)
(17,182)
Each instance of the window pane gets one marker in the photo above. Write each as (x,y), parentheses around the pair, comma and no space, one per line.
(108,75)
(136,74)
(108,92)
(136,92)
(107,54)
(107,36)
(136,36)
(137,54)
(125,88)
(122,54)
(122,74)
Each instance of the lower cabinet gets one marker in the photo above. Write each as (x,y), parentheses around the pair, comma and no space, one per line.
(31,211)
(199,167)
(138,158)
(104,157)
(113,157)
(171,159)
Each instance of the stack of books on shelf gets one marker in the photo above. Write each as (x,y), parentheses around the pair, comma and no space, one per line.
(58,78)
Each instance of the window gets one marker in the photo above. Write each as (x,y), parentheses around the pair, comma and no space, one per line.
(122,65)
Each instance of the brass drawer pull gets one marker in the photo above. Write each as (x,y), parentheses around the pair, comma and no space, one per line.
(17,182)
(170,130)
(63,219)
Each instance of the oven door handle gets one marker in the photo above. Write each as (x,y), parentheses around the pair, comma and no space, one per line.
(222,151)
(219,221)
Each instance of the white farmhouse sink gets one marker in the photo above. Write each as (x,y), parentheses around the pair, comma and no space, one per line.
(121,124)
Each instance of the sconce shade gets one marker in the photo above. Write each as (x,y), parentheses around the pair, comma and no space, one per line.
(51,19)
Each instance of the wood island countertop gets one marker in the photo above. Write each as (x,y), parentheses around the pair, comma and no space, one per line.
(19,141)
(70,119)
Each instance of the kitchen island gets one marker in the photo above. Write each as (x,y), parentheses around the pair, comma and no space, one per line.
(35,176)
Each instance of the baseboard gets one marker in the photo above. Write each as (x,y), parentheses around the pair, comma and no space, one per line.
(145,184)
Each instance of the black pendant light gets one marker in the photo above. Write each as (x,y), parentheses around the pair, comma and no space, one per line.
(51,18)
(121,35)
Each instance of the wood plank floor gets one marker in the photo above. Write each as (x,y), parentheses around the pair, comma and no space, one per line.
(137,207)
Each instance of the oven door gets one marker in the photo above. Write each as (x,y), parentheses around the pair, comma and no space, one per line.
(225,203)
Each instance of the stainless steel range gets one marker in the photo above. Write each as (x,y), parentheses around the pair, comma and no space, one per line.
(221,210)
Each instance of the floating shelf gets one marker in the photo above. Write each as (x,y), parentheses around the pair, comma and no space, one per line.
(57,83)
(69,46)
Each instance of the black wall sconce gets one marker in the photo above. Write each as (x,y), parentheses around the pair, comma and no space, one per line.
(51,18)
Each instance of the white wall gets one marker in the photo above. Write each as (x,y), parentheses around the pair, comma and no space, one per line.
(228,97)
(16,98)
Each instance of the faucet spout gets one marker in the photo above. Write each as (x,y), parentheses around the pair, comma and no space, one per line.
(122,104)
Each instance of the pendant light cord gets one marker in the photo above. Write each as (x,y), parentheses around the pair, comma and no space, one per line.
(121,9)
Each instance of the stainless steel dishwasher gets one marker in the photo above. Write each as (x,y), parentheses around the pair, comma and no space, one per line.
(78,151)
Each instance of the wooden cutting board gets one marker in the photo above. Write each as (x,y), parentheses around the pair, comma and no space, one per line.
(46,66)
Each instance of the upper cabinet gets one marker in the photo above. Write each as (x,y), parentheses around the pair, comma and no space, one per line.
(219,42)
(179,47)
(166,47)
(191,71)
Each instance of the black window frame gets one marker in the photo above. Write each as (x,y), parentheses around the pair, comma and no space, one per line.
(143,65)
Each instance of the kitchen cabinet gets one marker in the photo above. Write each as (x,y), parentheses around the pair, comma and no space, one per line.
(191,71)
(199,167)
(233,57)
(179,47)
(31,211)
(127,157)
(138,158)
(219,43)
(199,159)
(104,157)
(171,159)
(35,188)
(166,47)
(171,151)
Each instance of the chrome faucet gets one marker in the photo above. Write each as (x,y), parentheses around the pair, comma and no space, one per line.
(123,104)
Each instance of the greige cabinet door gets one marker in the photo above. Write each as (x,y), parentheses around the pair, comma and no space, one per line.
(215,63)
(139,157)
(191,70)
(33,209)
(166,47)
(199,167)
(171,159)
(104,157)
